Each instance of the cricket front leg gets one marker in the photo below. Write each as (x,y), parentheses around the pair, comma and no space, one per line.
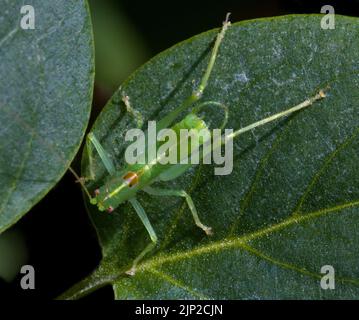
(146,222)
(91,142)
(184,194)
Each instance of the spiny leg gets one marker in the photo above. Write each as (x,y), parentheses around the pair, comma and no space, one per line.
(306,103)
(90,175)
(184,194)
(198,92)
(91,141)
(320,95)
(144,219)
(203,84)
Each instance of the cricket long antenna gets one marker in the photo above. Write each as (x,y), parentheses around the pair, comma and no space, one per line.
(80,181)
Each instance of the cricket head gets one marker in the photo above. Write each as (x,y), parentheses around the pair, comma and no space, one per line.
(120,188)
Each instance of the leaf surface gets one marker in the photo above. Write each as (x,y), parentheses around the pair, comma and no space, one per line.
(290,205)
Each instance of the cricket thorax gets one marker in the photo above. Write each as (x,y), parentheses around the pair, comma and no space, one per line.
(117,190)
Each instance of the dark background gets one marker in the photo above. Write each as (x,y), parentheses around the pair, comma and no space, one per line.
(60,241)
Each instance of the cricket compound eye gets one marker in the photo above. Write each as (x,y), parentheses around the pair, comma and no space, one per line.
(131,178)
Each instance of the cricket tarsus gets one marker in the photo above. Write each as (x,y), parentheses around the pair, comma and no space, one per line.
(123,185)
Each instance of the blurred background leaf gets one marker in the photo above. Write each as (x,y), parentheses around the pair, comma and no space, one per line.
(119,46)
(46,80)
(13,254)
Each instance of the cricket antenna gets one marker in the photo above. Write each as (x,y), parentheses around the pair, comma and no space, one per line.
(81,182)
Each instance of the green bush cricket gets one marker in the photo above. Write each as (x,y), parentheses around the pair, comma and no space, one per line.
(123,185)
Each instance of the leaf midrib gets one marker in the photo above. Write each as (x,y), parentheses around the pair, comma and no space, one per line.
(244,239)
(152,264)
(175,282)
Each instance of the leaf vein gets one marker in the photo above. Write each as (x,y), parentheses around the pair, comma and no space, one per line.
(244,239)
(324,166)
(176,283)
(288,266)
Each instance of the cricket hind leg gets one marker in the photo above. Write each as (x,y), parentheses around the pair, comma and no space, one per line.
(198,92)
(307,103)
(204,81)
(184,194)
(144,219)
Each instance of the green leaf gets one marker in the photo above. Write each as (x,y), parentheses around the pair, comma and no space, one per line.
(13,254)
(291,204)
(46,81)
